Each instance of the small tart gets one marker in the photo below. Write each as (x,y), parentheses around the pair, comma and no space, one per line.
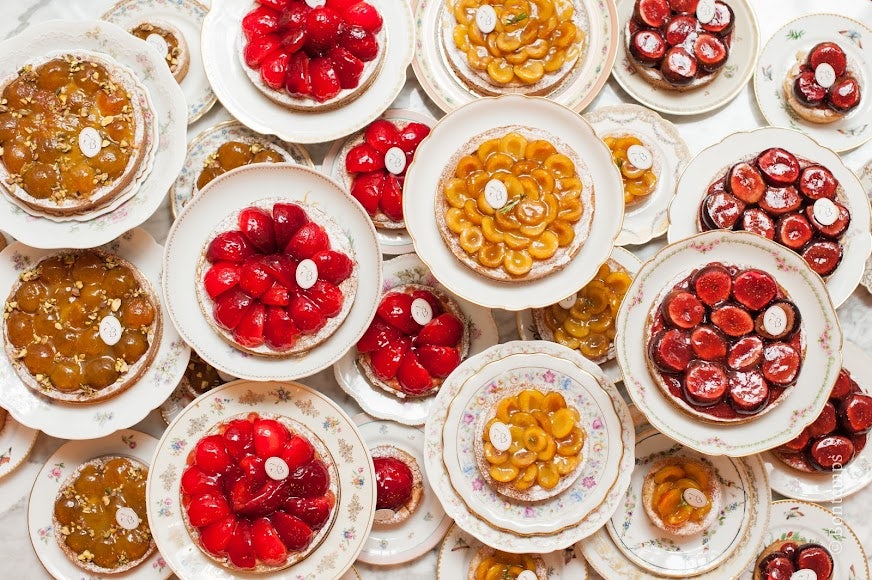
(100,520)
(169,41)
(396,514)
(822,108)
(200,376)
(507,566)
(535,47)
(669,504)
(783,558)
(233,154)
(53,319)
(638,183)
(73,132)
(548,211)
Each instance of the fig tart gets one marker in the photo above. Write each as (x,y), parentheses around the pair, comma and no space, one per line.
(681,496)
(399,484)
(820,87)
(169,42)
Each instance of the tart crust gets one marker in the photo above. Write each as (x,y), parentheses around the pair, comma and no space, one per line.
(486,552)
(688,528)
(653,76)
(818,115)
(405,512)
(180,54)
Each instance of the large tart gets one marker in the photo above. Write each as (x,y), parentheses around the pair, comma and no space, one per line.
(489,563)
(100,520)
(786,558)
(544,199)
(725,343)
(259,493)
(532,47)
(72,130)
(169,42)
(81,326)
(277,278)
(825,63)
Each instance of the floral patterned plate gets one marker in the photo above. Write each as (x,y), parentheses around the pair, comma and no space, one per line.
(355,500)
(16,443)
(207,142)
(713,162)
(865,175)
(395,544)
(119,412)
(408,269)
(169,106)
(666,555)
(779,56)
(836,485)
(723,89)
(458,549)
(802,521)
(820,366)
(54,473)
(455,505)
(184,393)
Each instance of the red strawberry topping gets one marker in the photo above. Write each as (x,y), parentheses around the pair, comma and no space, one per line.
(394,483)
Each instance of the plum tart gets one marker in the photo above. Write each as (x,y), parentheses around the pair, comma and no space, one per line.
(725,343)
(375,168)
(169,42)
(272,282)
(679,45)
(681,496)
(72,131)
(489,564)
(784,558)
(100,520)
(233,154)
(81,326)
(796,202)
(820,87)
(515,204)
(419,335)
(500,47)
(259,493)
(838,434)
(307,58)
(399,484)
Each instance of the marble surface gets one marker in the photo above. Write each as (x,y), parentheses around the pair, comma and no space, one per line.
(700,131)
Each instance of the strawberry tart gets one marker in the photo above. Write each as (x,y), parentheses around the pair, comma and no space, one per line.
(399,485)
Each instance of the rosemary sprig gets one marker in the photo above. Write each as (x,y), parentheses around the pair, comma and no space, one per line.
(516,18)
(512,203)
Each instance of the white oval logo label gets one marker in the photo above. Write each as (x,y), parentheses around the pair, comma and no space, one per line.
(825,75)
(500,436)
(307,274)
(705,11)
(127,518)
(775,320)
(276,468)
(804,574)
(496,194)
(568,302)
(486,18)
(89,141)
(384,515)
(422,312)
(527,575)
(316,3)
(694,498)
(640,157)
(825,212)
(159,43)
(395,160)
(110,330)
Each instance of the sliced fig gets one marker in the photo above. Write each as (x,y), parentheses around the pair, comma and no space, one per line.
(713,284)
(722,210)
(807,90)
(749,391)
(793,230)
(778,323)
(816,558)
(816,182)
(746,353)
(722,22)
(680,28)
(708,343)
(798,443)
(745,182)
(733,320)
(683,6)
(823,256)
(835,229)
(652,13)
(711,51)
(683,309)
(831,452)
(830,53)
(842,387)
(718,186)
(705,383)
(757,221)
(859,441)
(678,66)
(779,167)
(780,200)
(844,95)
(825,423)
(670,350)
(754,289)
(647,47)
(855,413)
(776,565)
(781,363)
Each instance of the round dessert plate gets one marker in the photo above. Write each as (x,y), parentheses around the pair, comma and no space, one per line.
(207,142)
(392,242)
(713,162)
(16,443)
(820,365)
(519,542)
(666,554)
(829,486)
(607,559)
(183,395)
(459,549)
(61,465)
(408,269)
(451,134)
(355,506)
(865,175)
(723,89)
(167,100)
(396,544)
(648,218)
(188,18)
(598,21)
(528,330)
(231,192)
(778,57)
(221,35)
(88,421)
(802,521)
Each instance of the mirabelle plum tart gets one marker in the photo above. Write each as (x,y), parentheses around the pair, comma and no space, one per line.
(540,446)
(399,484)
(533,49)
(233,154)
(586,321)
(488,564)
(681,496)
(99,517)
(639,183)
(169,42)
(73,132)
(81,326)
(545,198)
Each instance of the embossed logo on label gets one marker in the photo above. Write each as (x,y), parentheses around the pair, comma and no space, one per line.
(500,436)
(496,194)
(486,18)
(640,156)
(705,11)
(110,330)
(127,518)
(276,468)
(422,312)
(825,212)
(825,75)
(395,160)
(307,274)
(89,141)
(695,498)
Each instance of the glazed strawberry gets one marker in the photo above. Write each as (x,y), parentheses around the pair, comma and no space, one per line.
(293,14)
(253,467)
(428,297)
(313,511)
(394,482)
(195,481)
(270,437)
(259,48)
(254,278)
(216,536)
(363,15)
(396,309)
(230,247)
(387,359)
(256,225)
(348,67)
(366,188)
(295,534)
(309,480)
(280,332)
(230,308)
(207,509)
(381,135)
(325,81)
(444,330)
(221,277)
(260,21)
(276,295)
(297,451)
(412,135)
(412,375)
(439,360)
(274,68)
(359,42)
(306,314)
(391,201)
(292,41)
(364,158)
(327,296)
(282,268)
(287,219)
(267,545)
(308,241)
(298,82)
(334,267)
(378,335)
(240,549)
(238,439)
(249,331)
(323,26)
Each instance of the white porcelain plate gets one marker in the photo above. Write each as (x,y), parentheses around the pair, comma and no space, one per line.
(16,443)
(865,175)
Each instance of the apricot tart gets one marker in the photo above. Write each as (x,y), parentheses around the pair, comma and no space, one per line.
(530,447)
(272,282)
(491,564)
(838,434)
(725,343)
(781,197)
(585,321)
(81,326)
(516,205)
(512,46)
(233,154)
(72,132)
(419,335)
(100,519)
(399,485)
(639,180)
(681,495)
(169,42)
(784,558)
(819,87)
(259,493)
(679,45)
(312,58)
(377,168)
